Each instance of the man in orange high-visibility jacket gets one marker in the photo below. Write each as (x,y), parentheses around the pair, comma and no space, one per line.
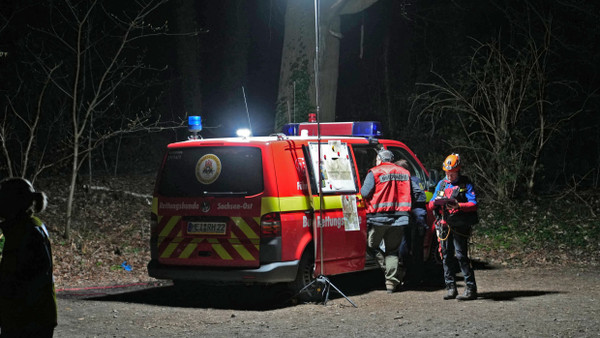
(387,191)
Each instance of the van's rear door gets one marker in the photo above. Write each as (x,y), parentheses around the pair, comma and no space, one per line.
(208,205)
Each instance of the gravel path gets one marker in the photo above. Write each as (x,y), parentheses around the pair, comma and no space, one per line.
(519,302)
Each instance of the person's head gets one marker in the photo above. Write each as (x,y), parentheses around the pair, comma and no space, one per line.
(402,163)
(384,155)
(18,196)
(452,167)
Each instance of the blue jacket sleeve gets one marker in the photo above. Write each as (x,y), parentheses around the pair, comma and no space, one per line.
(418,194)
(435,194)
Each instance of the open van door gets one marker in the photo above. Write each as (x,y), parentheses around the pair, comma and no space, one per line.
(340,230)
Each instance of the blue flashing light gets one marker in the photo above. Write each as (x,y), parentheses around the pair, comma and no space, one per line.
(290,129)
(194,123)
(359,129)
(367,129)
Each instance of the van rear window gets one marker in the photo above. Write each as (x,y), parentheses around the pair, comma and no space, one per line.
(212,171)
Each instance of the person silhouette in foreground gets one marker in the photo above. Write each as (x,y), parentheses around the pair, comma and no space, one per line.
(27,294)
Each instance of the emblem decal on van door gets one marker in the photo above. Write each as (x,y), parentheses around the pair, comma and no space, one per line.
(208,169)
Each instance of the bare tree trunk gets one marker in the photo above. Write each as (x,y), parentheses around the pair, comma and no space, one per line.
(299,44)
(89,146)
(72,185)
(75,119)
(296,76)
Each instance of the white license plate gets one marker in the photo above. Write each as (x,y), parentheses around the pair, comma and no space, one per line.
(207,228)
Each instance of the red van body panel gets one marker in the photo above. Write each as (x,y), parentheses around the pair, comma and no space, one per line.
(244,210)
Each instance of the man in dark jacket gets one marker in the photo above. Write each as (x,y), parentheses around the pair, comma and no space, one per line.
(411,249)
(27,296)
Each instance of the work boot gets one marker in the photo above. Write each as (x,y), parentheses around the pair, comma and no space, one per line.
(452,292)
(390,286)
(470,294)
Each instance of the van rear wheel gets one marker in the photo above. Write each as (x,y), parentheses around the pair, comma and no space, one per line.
(300,287)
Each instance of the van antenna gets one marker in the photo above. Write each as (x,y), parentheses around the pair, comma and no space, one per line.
(247,111)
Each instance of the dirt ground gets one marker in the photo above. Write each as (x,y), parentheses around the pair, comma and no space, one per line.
(97,297)
(513,302)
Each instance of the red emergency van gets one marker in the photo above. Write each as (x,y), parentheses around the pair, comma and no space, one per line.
(243,209)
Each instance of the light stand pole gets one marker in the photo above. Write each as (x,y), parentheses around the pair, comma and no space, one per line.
(321,278)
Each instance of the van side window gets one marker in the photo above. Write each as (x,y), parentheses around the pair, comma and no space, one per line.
(365,156)
(414,168)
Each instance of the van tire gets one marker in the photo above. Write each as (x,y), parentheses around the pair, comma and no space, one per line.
(305,277)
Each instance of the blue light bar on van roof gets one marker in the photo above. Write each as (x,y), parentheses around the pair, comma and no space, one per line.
(361,129)
(194,123)
(290,129)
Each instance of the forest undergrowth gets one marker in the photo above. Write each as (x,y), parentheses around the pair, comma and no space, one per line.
(108,243)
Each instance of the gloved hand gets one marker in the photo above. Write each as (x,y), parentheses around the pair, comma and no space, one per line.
(452,205)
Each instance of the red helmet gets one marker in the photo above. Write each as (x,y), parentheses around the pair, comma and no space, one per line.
(451,163)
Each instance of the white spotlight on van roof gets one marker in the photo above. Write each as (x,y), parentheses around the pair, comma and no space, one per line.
(244,132)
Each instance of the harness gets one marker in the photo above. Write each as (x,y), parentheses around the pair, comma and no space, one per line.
(459,194)
(442,227)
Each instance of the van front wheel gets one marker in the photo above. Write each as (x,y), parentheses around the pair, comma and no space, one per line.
(305,277)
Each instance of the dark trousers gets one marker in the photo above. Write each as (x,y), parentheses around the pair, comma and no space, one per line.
(411,249)
(455,249)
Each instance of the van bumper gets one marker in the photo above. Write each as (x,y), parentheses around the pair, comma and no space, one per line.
(279,272)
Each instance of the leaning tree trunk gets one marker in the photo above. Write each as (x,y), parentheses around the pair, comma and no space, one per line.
(72,187)
(296,98)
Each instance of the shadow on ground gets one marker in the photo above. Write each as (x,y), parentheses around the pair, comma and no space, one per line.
(481,265)
(198,295)
(512,295)
(241,297)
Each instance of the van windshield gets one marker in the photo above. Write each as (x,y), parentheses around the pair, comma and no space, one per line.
(212,171)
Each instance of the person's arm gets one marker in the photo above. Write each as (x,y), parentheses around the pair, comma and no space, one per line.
(435,194)
(471,204)
(368,186)
(417,194)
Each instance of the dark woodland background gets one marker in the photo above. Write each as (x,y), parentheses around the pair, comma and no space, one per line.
(99,88)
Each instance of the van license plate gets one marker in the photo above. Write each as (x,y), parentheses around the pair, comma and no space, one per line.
(207,228)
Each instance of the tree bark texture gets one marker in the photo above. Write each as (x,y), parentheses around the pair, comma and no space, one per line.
(298,59)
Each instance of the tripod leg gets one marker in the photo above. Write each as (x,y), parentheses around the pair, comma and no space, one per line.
(329,284)
(326,293)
